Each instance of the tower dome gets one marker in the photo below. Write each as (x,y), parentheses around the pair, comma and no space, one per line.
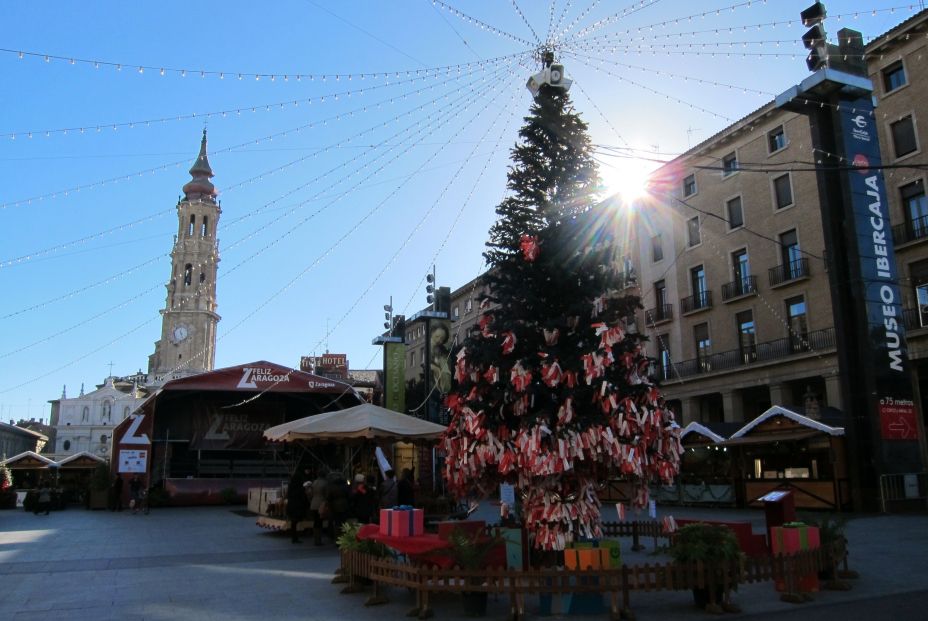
(200,186)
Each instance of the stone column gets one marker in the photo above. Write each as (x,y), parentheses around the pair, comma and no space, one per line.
(690,411)
(732,406)
(779,394)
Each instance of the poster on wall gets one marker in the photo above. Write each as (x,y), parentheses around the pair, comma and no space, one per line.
(133,461)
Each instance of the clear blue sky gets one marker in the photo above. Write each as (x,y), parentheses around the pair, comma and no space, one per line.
(329,207)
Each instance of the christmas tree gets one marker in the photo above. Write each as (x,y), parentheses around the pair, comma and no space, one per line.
(552,389)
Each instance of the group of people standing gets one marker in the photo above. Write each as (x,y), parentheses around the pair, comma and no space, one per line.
(137,495)
(326,497)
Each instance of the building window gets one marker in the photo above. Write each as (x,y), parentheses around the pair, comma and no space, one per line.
(689,186)
(202,277)
(692,232)
(85,415)
(894,76)
(703,346)
(456,312)
(776,139)
(735,213)
(660,296)
(916,209)
(468,306)
(193,221)
(66,445)
(103,439)
(790,254)
(782,191)
(798,326)
(657,248)
(741,270)
(729,164)
(204,230)
(663,356)
(903,132)
(125,412)
(747,337)
(107,411)
(919,274)
(698,284)
(188,274)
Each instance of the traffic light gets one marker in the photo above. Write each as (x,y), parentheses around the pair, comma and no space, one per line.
(430,287)
(387,315)
(815,38)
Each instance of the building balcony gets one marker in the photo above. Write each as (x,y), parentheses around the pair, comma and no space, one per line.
(746,285)
(788,273)
(913,319)
(699,301)
(910,231)
(659,314)
(738,359)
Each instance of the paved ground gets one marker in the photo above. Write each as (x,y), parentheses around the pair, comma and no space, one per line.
(211,563)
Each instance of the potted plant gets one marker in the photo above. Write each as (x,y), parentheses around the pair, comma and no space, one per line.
(717,548)
(470,552)
(831,537)
(7,492)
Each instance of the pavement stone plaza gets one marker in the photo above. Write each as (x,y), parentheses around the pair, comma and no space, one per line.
(212,563)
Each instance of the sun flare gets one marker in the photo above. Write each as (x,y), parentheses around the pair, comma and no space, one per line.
(627,179)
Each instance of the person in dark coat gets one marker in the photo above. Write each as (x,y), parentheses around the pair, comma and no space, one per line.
(389,494)
(117,494)
(406,489)
(363,500)
(297,504)
(337,498)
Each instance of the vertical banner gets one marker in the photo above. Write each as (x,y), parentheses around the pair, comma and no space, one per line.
(439,355)
(394,367)
(889,381)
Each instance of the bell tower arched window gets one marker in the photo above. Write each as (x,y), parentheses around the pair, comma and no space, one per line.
(188,274)
(193,221)
(204,232)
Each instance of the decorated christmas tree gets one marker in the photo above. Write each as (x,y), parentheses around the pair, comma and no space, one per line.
(552,389)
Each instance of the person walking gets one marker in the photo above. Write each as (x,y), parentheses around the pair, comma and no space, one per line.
(44,501)
(296,504)
(337,500)
(363,501)
(318,507)
(117,494)
(135,493)
(389,493)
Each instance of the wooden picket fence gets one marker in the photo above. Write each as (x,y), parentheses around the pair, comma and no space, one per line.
(618,583)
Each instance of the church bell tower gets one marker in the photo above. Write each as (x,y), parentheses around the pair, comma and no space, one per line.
(188,325)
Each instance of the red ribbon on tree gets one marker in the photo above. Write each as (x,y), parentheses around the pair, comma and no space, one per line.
(529,245)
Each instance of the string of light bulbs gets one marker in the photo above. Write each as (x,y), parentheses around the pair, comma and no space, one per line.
(670,74)
(656,92)
(142,69)
(575,21)
(96,128)
(552,31)
(515,5)
(481,24)
(602,23)
(112,180)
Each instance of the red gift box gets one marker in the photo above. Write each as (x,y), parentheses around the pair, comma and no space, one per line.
(402,522)
(790,540)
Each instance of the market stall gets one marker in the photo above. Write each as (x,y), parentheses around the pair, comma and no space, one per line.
(782,449)
(705,467)
(359,430)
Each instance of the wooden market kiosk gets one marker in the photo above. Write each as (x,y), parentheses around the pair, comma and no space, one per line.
(782,449)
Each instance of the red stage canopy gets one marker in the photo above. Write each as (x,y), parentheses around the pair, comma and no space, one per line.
(260,376)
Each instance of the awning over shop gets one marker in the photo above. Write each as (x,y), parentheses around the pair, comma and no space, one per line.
(697,433)
(28,460)
(770,438)
(761,426)
(81,461)
(366,421)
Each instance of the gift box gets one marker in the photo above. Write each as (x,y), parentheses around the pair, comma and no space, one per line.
(402,522)
(586,557)
(791,538)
